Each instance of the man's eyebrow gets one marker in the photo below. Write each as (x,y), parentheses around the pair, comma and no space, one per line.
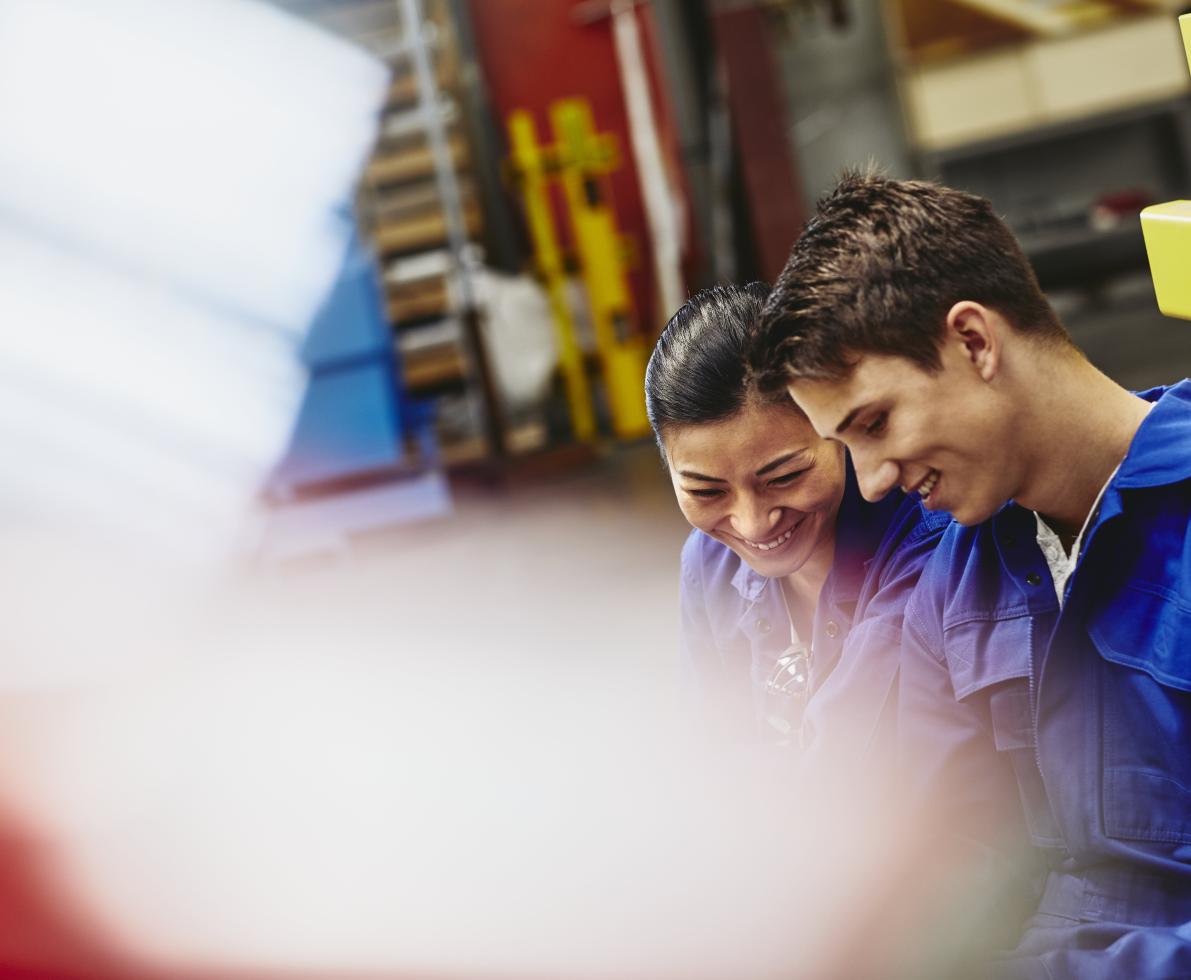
(778,462)
(699,476)
(849,419)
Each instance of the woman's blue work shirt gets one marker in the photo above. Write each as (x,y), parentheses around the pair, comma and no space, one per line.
(1087,709)
(735,625)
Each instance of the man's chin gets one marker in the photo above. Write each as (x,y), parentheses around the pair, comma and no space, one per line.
(971,516)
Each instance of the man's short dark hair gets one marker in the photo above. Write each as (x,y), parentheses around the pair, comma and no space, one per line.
(876,271)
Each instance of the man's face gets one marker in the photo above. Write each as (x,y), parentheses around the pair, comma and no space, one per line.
(946,436)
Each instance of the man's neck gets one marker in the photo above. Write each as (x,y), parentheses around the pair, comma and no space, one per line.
(1081,427)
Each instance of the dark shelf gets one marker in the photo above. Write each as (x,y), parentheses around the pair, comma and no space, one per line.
(1076,257)
(1055,131)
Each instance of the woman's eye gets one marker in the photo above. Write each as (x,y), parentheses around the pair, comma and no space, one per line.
(877,425)
(705,493)
(786,478)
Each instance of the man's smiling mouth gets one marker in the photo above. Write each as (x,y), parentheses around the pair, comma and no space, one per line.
(926,485)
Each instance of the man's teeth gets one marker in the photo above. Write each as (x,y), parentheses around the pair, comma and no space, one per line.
(928,484)
(773,544)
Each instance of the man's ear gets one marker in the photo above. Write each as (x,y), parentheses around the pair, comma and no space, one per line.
(978,329)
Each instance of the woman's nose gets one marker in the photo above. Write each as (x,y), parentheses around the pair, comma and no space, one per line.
(754,521)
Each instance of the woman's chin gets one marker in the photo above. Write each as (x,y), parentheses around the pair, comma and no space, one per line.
(779,566)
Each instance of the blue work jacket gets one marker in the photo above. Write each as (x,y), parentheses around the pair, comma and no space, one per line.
(1086,709)
(735,625)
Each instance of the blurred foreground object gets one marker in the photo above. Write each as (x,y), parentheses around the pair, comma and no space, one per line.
(302,797)
(1167,231)
(173,190)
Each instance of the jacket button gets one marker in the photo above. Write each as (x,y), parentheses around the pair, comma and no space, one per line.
(1034,578)
(831,629)
(763,626)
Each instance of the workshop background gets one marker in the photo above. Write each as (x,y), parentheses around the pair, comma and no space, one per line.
(343,571)
(553,179)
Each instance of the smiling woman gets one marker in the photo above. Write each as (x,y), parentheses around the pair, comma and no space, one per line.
(792,584)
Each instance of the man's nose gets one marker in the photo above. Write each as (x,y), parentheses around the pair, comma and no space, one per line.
(876,477)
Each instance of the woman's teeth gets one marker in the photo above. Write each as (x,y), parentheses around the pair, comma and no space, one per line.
(776,542)
(927,485)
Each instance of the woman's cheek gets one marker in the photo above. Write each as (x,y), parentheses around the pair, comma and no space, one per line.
(820,495)
(696,513)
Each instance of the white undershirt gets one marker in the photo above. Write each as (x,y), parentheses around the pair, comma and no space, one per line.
(1060,563)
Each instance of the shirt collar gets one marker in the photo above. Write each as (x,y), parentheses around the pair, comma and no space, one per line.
(1158,454)
(747,582)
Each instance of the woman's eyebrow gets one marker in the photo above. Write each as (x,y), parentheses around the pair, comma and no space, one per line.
(778,462)
(700,476)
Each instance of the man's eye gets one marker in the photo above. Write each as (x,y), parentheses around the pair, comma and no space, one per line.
(877,425)
(786,478)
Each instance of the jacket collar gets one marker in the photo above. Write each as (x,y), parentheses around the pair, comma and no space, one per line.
(1160,453)
(1158,456)
(748,583)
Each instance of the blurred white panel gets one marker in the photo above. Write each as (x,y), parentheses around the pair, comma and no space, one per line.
(200,142)
(191,379)
(352,811)
(174,185)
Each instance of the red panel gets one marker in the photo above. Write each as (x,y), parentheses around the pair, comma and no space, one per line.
(759,120)
(533,52)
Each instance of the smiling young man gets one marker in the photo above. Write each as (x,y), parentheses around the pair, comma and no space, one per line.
(1050,633)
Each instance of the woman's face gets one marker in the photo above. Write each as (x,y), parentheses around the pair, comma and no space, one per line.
(761,482)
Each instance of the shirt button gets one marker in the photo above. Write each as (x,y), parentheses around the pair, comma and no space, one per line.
(1034,578)
(763,626)
(831,629)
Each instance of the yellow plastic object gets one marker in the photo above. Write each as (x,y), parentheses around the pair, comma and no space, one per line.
(584,158)
(531,164)
(1167,232)
(1166,229)
(1185,28)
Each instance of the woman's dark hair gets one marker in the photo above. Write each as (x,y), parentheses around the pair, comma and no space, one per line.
(698,371)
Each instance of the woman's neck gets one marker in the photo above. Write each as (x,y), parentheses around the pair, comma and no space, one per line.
(802,587)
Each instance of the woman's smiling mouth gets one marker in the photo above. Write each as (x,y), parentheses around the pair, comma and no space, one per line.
(774,543)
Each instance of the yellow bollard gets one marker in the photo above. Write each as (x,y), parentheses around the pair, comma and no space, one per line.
(585,158)
(531,163)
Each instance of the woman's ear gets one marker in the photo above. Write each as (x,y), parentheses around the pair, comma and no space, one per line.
(977,331)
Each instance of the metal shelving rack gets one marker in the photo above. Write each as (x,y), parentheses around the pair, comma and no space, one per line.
(433,113)
(420,205)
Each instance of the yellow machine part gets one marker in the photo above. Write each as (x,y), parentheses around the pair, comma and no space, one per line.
(1185,29)
(531,164)
(1167,232)
(584,157)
